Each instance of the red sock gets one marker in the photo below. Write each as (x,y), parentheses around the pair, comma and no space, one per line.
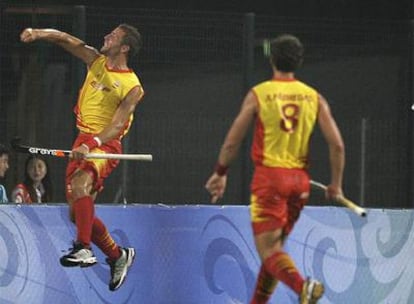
(265,285)
(84,212)
(102,239)
(281,267)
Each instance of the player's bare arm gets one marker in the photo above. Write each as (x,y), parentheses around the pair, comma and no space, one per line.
(72,44)
(122,114)
(238,130)
(333,137)
(216,184)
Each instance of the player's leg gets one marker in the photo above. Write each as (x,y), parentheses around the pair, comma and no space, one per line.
(99,235)
(265,286)
(276,261)
(261,222)
(81,206)
(269,218)
(103,239)
(312,290)
(119,258)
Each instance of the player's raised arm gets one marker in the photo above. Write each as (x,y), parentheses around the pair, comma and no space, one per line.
(70,43)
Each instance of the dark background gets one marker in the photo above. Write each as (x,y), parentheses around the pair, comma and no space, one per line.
(384,9)
(196,65)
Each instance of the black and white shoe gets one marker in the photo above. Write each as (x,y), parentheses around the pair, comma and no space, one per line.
(119,268)
(78,256)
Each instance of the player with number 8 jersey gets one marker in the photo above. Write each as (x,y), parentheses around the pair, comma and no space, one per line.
(287,111)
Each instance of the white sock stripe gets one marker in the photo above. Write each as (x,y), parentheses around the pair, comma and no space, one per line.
(310,289)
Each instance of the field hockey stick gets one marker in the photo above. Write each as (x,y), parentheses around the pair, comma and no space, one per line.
(15,143)
(342,200)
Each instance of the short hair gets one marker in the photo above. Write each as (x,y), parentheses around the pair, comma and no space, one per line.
(286,53)
(132,38)
(4,150)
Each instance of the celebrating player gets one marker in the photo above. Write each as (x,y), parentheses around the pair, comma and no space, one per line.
(104,113)
(285,111)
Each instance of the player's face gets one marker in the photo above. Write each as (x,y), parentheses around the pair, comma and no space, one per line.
(112,42)
(37,170)
(4,164)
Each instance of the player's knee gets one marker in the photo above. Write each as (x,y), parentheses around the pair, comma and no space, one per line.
(80,185)
(269,243)
(265,253)
(79,192)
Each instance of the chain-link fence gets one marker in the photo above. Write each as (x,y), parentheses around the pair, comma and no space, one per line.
(195,68)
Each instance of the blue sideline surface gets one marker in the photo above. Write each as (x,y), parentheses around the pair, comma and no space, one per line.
(205,255)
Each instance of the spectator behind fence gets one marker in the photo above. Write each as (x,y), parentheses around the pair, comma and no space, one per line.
(37,185)
(4,166)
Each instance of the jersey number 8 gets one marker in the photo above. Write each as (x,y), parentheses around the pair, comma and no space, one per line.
(290,117)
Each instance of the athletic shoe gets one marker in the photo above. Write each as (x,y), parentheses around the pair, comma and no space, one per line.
(119,268)
(312,291)
(78,256)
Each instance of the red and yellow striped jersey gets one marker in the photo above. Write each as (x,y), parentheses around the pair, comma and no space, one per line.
(100,96)
(287,111)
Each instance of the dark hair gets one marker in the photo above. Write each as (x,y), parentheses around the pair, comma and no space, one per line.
(47,183)
(4,150)
(286,53)
(132,38)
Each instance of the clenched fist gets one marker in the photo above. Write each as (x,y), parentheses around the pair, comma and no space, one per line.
(28,35)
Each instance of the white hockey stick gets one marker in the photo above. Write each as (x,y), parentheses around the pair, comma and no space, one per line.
(66,153)
(342,200)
